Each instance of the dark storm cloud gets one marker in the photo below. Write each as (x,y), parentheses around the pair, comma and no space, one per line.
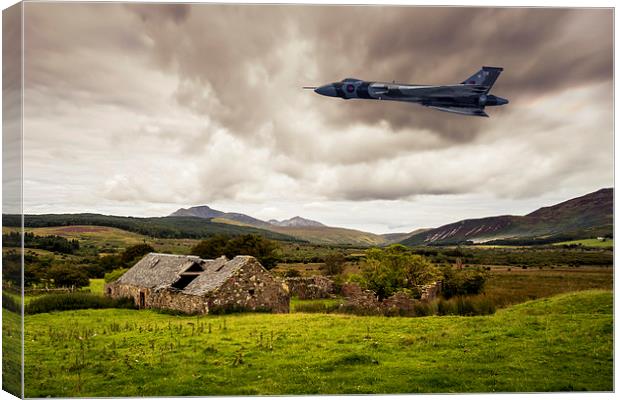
(213,47)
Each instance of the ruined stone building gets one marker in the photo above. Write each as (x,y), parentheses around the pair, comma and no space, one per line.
(311,287)
(193,285)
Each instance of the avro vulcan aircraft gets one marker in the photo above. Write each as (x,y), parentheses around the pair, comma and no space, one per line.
(470,97)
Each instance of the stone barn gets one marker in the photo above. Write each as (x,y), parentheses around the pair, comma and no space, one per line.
(196,286)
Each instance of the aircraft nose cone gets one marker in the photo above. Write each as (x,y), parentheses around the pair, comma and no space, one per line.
(327,90)
(502,101)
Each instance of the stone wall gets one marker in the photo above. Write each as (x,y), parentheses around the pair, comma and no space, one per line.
(116,291)
(252,288)
(360,299)
(400,303)
(431,291)
(311,288)
(172,299)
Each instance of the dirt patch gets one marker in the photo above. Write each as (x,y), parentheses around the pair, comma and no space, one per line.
(81,229)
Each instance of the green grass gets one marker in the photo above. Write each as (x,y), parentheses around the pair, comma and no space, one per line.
(608,243)
(11,352)
(556,344)
(296,303)
(519,285)
(96,286)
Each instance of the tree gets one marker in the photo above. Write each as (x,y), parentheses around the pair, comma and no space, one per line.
(211,248)
(131,254)
(395,268)
(65,275)
(246,245)
(334,264)
(460,282)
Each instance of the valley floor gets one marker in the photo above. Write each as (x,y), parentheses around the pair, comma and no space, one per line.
(561,343)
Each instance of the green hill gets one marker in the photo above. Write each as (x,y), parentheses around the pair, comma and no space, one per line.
(331,236)
(579,218)
(161,227)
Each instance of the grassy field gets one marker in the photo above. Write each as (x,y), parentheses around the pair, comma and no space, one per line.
(105,239)
(608,243)
(556,344)
(11,352)
(519,285)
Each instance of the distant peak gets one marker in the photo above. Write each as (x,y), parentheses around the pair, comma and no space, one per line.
(296,221)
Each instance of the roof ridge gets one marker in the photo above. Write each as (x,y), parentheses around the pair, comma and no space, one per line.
(172,255)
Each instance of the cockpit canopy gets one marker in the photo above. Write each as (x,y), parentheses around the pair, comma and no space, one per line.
(351,80)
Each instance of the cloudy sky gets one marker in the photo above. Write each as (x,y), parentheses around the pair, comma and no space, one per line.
(141,109)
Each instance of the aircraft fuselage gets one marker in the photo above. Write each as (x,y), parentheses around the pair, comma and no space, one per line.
(469,97)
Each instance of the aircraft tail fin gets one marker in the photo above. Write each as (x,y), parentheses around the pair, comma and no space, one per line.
(485,77)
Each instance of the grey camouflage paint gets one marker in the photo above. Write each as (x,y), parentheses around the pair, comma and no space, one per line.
(470,97)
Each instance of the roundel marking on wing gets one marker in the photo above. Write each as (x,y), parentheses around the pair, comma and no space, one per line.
(350,88)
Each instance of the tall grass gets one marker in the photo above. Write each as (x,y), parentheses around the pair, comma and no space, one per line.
(74,301)
(9,303)
(459,305)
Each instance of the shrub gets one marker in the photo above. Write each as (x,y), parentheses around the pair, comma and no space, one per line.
(9,303)
(460,282)
(132,253)
(334,264)
(244,245)
(67,275)
(74,301)
(421,309)
(389,270)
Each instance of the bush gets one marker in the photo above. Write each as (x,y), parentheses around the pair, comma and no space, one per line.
(390,270)
(460,282)
(421,309)
(334,264)
(242,245)
(74,301)
(466,305)
(133,253)
(9,303)
(66,275)
(114,275)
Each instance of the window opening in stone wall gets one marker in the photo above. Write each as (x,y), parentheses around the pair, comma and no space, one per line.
(251,292)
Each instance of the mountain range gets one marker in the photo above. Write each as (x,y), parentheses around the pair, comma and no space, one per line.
(297,227)
(210,213)
(582,217)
